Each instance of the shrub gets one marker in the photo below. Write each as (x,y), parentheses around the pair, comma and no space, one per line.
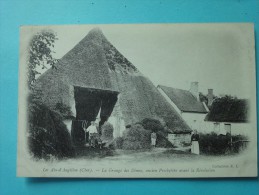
(239,143)
(152,125)
(64,111)
(117,143)
(219,144)
(136,138)
(48,135)
(213,144)
(41,142)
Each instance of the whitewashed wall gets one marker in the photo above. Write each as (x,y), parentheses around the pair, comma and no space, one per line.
(236,128)
(179,139)
(195,120)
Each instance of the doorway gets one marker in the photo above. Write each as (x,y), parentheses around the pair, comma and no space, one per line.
(88,103)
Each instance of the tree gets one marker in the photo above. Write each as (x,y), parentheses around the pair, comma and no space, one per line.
(40,54)
(230,109)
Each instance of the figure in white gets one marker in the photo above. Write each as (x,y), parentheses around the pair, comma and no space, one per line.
(195,149)
(92,130)
(153,139)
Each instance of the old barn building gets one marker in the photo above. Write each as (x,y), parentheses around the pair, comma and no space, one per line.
(95,80)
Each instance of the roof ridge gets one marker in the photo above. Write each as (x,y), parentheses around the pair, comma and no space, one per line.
(175,88)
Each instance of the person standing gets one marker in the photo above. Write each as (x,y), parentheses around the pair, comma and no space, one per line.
(195,149)
(92,129)
(153,139)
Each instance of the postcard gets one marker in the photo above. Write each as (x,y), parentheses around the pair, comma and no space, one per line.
(137,101)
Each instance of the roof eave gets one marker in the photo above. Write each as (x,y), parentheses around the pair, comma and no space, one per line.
(219,121)
(196,112)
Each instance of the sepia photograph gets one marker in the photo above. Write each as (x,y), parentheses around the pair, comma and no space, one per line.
(137,101)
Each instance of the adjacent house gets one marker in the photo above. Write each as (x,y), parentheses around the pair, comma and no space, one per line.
(229,115)
(187,104)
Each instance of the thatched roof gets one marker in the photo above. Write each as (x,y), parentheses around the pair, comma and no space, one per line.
(228,109)
(95,63)
(184,100)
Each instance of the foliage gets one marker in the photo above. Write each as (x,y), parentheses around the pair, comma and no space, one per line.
(239,143)
(47,134)
(117,143)
(64,111)
(219,144)
(152,124)
(214,144)
(230,109)
(41,142)
(40,54)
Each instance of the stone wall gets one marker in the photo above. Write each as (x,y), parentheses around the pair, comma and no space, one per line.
(178,140)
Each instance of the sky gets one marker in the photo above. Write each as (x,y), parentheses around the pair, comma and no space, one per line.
(218,56)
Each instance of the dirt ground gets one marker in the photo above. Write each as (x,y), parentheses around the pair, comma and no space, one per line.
(154,154)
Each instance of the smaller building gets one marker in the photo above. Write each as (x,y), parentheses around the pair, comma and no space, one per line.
(188,105)
(229,115)
(180,139)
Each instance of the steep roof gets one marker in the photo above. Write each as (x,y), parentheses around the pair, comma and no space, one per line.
(184,100)
(228,110)
(95,63)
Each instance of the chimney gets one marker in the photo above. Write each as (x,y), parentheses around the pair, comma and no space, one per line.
(210,97)
(195,89)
